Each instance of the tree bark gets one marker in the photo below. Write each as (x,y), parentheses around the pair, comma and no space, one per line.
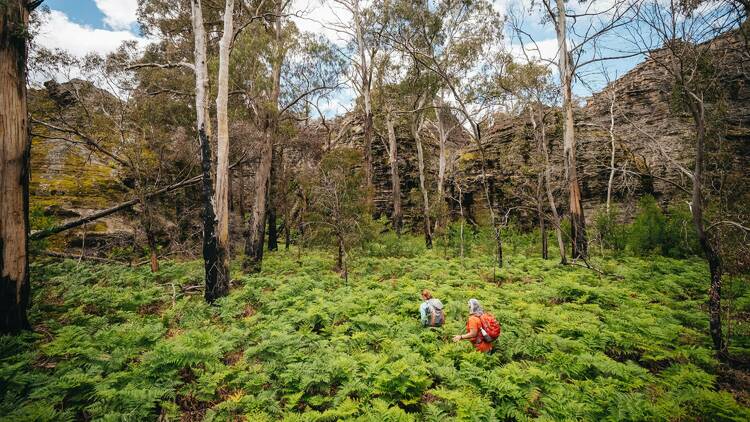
(15,168)
(257,223)
(577,220)
(396,218)
(416,126)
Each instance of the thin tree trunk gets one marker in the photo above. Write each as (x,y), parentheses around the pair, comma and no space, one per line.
(416,126)
(395,180)
(256,232)
(442,160)
(154,260)
(548,188)
(273,193)
(612,154)
(714,260)
(577,220)
(15,168)
(257,222)
(540,214)
(364,68)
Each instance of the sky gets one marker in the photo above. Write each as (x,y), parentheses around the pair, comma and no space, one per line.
(100,26)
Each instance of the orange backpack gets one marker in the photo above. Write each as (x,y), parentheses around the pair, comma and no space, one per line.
(490,330)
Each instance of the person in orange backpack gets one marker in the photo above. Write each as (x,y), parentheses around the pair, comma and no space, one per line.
(481,328)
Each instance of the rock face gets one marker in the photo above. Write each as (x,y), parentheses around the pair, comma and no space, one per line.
(651,136)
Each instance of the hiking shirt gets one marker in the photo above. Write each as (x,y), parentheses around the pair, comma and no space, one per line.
(475,323)
(424,309)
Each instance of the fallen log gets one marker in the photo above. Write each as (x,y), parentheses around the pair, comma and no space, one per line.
(41,234)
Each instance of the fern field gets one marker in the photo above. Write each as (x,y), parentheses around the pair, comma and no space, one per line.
(297,343)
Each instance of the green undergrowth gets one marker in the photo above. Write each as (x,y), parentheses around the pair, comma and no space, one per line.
(297,343)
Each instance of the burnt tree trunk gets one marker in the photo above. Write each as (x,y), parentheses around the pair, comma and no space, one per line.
(14,168)
(210,246)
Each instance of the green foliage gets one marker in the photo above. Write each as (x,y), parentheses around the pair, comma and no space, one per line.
(608,229)
(654,232)
(297,343)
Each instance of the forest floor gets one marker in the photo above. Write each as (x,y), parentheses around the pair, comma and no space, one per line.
(298,343)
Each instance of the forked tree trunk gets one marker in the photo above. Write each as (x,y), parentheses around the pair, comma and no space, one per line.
(416,126)
(221,200)
(14,168)
(577,220)
(395,179)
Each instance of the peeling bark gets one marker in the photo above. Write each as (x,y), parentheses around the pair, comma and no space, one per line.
(14,168)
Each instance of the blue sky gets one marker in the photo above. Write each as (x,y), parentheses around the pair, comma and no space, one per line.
(100,26)
(83,12)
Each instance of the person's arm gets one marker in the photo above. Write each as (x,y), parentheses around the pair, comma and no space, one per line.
(471,334)
(423,313)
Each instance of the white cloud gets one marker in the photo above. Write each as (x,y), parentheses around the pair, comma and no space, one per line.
(544,49)
(321,18)
(58,31)
(118,14)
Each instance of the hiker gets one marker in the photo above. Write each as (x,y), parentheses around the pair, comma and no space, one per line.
(481,328)
(431,310)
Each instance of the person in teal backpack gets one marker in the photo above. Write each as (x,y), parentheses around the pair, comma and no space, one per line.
(431,310)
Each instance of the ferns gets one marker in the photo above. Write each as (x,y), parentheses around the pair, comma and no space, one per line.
(295,343)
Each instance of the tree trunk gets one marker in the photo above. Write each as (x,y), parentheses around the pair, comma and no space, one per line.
(577,220)
(416,126)
(341,260)
(395,180)
(365,79)
(15,168)
(151,238)
(273,191)
(540,214)
(696,207)
(257,222)
(221,201)
(203,121)
(548,186)
(612,154)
